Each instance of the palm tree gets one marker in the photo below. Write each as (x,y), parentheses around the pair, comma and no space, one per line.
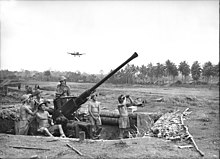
(184,69)
(47,74)
(143,73)
(174,71)
(216,70)
(168,68)
(196,71)
(208,70)
(150,72)
(159,70)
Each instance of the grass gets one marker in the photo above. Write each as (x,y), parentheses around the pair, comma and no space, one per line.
(203,122)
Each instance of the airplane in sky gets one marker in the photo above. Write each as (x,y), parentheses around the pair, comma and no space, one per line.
(75,53)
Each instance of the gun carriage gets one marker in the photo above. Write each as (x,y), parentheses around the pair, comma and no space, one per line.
(67,111)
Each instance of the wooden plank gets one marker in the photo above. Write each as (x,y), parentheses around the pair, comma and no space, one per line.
(24,147)
(74,149)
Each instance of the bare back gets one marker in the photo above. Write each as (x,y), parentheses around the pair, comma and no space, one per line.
(25,112)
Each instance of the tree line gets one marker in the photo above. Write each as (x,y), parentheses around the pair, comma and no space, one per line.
(168,72)
(130,74)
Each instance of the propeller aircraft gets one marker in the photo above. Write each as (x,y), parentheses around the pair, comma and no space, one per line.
(75,53)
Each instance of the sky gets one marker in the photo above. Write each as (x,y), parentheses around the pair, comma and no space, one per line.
(36,35)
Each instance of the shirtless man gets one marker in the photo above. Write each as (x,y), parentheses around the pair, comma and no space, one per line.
(45,122)
(94,117)
(22,126)
(124,122)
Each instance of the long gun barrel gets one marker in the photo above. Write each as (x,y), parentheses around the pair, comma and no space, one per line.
(74,103)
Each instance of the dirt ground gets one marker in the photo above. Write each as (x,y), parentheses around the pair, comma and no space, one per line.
(203,124)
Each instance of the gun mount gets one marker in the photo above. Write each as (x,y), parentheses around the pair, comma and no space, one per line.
(74,103)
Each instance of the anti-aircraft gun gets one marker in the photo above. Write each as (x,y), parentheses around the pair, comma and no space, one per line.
(73,104)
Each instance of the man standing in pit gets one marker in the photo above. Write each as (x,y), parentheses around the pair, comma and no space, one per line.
(124,122)
(94,116)
(23,123)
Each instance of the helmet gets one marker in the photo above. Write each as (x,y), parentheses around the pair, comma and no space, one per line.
(62,78)
(24,97)
(44,101)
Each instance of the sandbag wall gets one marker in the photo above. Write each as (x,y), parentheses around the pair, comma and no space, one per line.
(8,116)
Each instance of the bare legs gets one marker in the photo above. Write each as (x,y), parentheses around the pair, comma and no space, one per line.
(61,131)
(47,132)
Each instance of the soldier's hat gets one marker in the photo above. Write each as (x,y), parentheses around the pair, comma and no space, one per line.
(45,101)
(25,97)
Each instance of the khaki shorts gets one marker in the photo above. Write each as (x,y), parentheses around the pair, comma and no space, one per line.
(21,127)
(124,122)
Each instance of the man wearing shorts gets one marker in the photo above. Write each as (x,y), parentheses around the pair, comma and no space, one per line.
(23,124)
(46,124)
(124,122)
(94,115)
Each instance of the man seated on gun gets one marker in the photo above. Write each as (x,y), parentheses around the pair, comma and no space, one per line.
(45,122)
(62,90)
